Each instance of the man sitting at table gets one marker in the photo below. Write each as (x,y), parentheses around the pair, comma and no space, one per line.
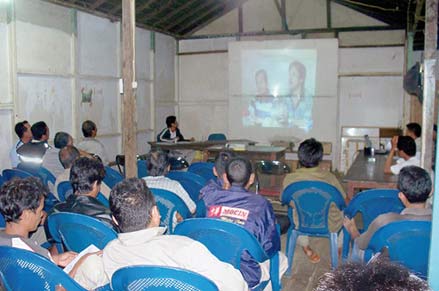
(253,212)
(171,133)
(310,155)
(415,186)
(406,148)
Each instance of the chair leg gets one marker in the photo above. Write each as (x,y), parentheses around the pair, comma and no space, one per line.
(334,250)
(346,244)
(292,239)
(274,272)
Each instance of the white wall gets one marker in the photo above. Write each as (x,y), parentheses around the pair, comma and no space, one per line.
(53,55)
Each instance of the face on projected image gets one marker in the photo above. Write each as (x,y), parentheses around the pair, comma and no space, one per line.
(278,88)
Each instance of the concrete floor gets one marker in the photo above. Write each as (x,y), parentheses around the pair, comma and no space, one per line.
(305,275)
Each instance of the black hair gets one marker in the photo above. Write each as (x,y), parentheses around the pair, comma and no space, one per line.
(170,120)
(379,275)
(415,128)
(87,128)
(407,145)
(61,139)
(18,195)
(39,129)
(67,155)
(221,161)
(415,183)
(131,203)
(20,128)
(157,163)
(84,173)
(435,127)
(310,153)
(238,171)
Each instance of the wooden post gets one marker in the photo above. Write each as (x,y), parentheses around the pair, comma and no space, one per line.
(129,125)
(431,18)
(428,117)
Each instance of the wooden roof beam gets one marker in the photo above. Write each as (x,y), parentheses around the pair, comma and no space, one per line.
(176,11)
(97,4)
(194,12)
(155,12)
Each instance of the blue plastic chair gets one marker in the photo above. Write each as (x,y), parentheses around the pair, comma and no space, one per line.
(1,180)
(112,177)
(142,278)
(227,241)
(142,171)
(2,221)
(46,176)
(76,231)
(25,270)
(191,182)
(64,190)
(202,169)
(8,174)
(216,136)
(371,204)
(178,163)
(408,243)
(168,203)
(312,200)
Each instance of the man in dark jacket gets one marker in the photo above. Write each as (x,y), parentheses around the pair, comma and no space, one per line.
(238,205)
(171,133)
(86,176)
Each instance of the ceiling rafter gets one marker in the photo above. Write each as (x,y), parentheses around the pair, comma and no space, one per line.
(97,4)
(155,12)
(176,11)
(207,4)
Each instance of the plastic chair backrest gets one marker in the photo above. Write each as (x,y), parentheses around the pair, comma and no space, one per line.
(312,200)
(46,176)
(8,174)
(178,163)
(64,190)
(1,180)
(217,136)
(25,270)
(142,171)
(225,240)
(101,198)
(372,203)
(112,177)
(2,221)
(139,278)
(77,231)
(408,242)
(191,182)
(168,203)
(202,169)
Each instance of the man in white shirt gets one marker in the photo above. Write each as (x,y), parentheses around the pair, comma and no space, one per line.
(141,242)
(22,129)
(90,144)
(414,130)
(406,148)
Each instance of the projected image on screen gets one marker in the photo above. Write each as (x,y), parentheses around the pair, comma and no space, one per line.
(278,86)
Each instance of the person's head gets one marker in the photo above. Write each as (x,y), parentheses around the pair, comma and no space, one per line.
(133,206)
(67,155)
(415,185)
(406,147)
(157,163)
(310,153)
(40,131)
(62,139)
(297,76)
(434,132)
(413,130)
(86,176)
(171,122)
(261,82)
(378,275)
(23,131)
(89,129)
(239,172)
(22,202)
(221,161)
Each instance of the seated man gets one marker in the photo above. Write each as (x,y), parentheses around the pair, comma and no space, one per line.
(414,130)
(86,176)
(406,148)
(219,169)
(250,210)
(310,155)
(21,204)
(157,163)
(22,129)
(90,144)
(414,184)
(67,155)
(378,275)
(171,133)
(141,242)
